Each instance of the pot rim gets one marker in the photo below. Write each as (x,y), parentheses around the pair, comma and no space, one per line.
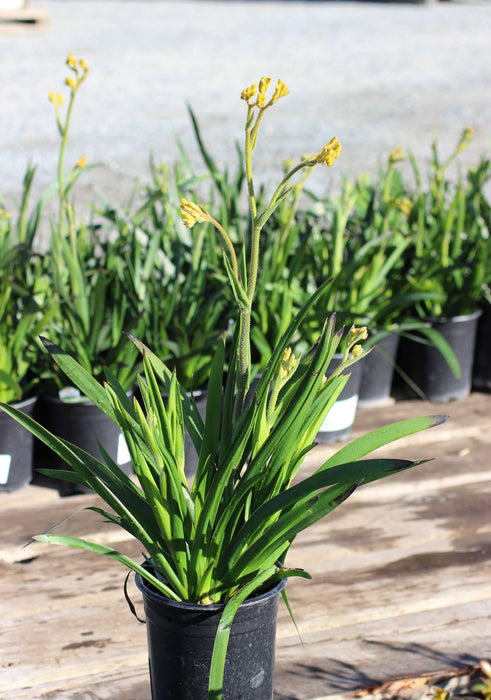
(24,402)
(455,319)
(83,402)
(144,587)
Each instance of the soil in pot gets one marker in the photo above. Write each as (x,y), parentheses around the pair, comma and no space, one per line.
(338,422)
(180,645)
(85,425)
(16,449)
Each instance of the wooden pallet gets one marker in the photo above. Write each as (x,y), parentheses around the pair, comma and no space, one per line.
(401,581)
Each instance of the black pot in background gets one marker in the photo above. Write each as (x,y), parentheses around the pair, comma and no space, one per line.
(180,645)
(428,369)
(338,422)
(16,449)
(481,377)
(85,425)
(377,372)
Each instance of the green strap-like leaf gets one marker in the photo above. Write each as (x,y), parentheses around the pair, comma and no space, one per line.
(379,437)
(113,554)
(80,377)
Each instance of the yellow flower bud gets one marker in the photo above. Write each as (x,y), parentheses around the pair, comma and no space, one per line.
(81,162)
(356,351)
(465,139)
(83,65)
(71,83)
(261,97)
(71,61)
(281,90)
(55,98)
(191,213)
(355,335)
(288,364)
(249,93)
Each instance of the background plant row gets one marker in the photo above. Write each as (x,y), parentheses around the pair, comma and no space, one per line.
(397,248)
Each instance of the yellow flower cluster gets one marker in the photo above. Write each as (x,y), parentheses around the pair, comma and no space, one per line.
(79,68)
(404,205)
(396,155)
(288,364)
(329,153)
(255,94)
(355,335)
(192,213)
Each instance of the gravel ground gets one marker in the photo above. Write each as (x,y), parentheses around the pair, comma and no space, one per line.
(376,75)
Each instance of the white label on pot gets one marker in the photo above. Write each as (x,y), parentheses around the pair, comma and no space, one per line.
(341,415)
(123,455)
(4,468)
(68,393)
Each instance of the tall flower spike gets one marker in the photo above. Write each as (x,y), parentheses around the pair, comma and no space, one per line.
(191,213)
(248,94)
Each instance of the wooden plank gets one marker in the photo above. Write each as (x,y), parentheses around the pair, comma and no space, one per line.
(401,580)
(25,15)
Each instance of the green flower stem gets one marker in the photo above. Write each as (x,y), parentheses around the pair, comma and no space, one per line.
(249,147)
(64,129)
(229,245)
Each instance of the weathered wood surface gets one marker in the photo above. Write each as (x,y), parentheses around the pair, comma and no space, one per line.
(25,15)
(401,580)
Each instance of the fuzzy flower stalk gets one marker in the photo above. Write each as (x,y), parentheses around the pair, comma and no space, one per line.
(243,281)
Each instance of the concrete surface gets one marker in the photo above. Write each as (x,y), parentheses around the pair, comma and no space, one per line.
(377,75)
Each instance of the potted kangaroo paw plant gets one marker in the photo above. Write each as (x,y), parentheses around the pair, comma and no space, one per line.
(216,553)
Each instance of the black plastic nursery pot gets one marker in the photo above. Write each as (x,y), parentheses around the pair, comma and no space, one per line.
(86,426)
(481,378)
(377,372)
(180,644)
(338,422)
(428,369)
(16,449)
